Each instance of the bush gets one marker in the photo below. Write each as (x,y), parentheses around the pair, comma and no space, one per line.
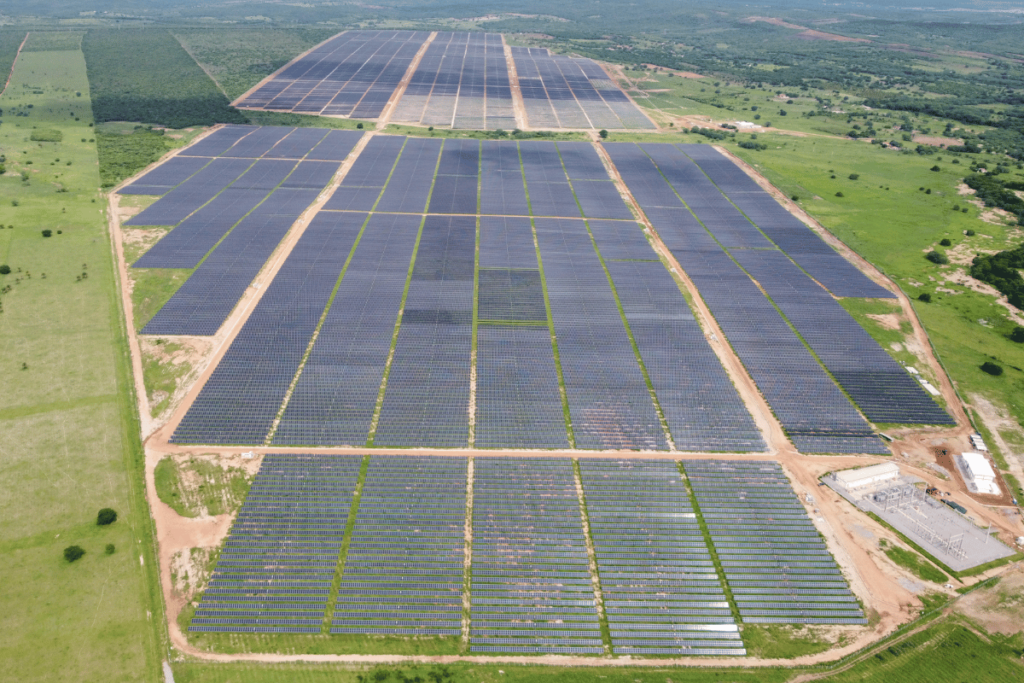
(603,133)
(73,552)
(935,168)
(854,176)
(5,269)
(109,549)
(925,297)
(991,368)
(839,194)
(970,233)
(1018,334)
(106,516)
(795,198)
(945,242)
(47,233)
(359,126)
(46,135)
(937,257)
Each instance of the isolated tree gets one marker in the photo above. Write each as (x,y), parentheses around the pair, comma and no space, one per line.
(106,516)
(991,368)
(109,549)
(1018,334)
(603,133)
(73,552)
(936,168)
(925,297)
(47,233)
(945,242)
(5,269)
(937,257)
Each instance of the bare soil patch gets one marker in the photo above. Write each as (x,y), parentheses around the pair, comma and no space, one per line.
(999,609)
(811,34)
(937,140)
(890,321)
(774,21)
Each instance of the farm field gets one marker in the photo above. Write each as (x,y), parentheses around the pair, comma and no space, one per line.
(68,431)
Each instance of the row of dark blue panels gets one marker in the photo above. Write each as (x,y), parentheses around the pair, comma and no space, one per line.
(426,400)
(404,565)
(242,142)
(353,74)
(707,235)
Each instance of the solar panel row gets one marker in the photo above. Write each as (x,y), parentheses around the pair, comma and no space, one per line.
(813,411)
(242,398)
(353,74)
(461,81)
(823,263)
(403,573)
(661,592)
(532,587)
(561,92)
(530,562)
(759,527)
(275,571)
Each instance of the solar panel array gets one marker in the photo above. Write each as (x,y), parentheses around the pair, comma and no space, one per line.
(334,399)
(275,571)
(427,398)
(403,573)
(241,399)
(562,92)
(609,401)
(353,74)
(246,222)
(777,565)
(531,588)
(661,591)
(461,81)
(409,566)
(427,386)
(883,390)
(816,415)
(799,242)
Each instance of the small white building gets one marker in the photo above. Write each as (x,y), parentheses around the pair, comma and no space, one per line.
(868,476)
(979,472)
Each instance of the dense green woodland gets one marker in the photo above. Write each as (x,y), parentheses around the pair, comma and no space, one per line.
(146,75)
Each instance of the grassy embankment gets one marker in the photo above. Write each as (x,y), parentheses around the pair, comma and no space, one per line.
(68,426)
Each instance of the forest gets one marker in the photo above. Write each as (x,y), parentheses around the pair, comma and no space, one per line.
(146,75)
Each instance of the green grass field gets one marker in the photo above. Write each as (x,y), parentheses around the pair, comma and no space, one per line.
(68,433)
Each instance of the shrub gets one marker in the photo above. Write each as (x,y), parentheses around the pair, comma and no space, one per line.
(945,242)
(925,297)
(73,552)
(106,516)
(854,176)
(5,269)
(795,198)
(935,168)
(359,126)
(109,549)
(46,135)
(603,133)
(47,233)
(937,257)
(970,233)
(839,194)
(1018,334)
(991,368)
